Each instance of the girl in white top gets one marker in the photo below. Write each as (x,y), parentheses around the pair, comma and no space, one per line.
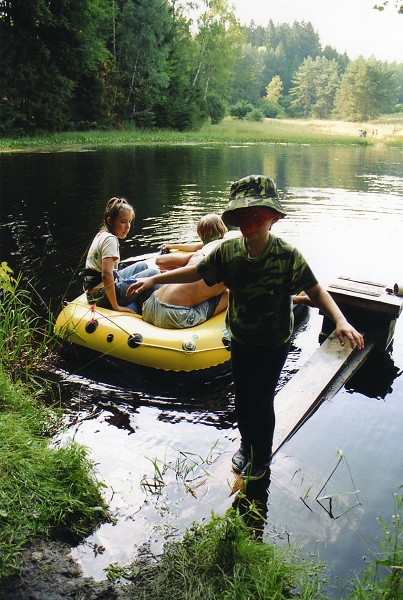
(104,283)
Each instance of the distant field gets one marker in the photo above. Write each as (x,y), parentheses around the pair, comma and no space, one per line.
(387,130)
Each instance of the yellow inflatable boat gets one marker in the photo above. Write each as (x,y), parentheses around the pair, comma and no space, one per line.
(127,337)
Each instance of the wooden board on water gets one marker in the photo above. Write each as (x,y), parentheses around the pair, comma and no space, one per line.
(366,295)
(319,378)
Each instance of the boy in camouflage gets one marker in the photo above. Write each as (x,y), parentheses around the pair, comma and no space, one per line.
(262,272)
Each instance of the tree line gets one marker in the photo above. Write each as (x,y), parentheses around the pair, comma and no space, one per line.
(148,63)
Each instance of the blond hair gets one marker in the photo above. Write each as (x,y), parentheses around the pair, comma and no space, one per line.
(211,227)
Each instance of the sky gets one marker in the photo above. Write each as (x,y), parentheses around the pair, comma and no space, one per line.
(351,26)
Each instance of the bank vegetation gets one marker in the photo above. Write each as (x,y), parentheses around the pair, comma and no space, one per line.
(46,489)
(386,131)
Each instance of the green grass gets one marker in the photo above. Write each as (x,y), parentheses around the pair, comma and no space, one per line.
(382,579)
(389,131)
(221,559)
(43,489)
(26,340)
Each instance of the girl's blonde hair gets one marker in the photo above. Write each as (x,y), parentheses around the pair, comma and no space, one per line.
(114,207)
(211,227)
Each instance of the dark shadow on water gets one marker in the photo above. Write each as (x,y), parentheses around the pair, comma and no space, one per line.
(93,385)
(375,377)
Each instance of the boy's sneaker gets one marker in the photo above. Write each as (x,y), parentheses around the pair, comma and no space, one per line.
(239,460)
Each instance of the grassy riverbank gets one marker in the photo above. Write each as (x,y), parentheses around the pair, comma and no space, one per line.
(44,488)
(387,130)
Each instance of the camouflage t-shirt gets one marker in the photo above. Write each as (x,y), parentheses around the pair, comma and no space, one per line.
(260,304)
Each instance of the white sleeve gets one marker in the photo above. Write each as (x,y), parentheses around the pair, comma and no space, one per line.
(110,247)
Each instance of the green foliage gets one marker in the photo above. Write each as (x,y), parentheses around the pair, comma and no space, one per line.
(368,89)
(255,115)
(24,342)
(248,75)
(241,109)
(43,489)
(140,57)
(398,6)
(217,108)
(383,577)
(218,39)
(102,63)
(51,53)
(274,90)
(287,47)
(271,110)
(314,87)
(181,105)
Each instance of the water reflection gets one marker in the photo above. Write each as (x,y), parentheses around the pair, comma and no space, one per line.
(52,204)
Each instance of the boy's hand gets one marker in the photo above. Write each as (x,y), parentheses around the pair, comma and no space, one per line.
(141,285)
(344,329)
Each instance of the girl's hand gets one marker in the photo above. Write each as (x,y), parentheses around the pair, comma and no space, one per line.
(124,309)
(166,247)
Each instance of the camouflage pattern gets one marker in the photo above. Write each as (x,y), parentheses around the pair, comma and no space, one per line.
(260,306)
(254,190)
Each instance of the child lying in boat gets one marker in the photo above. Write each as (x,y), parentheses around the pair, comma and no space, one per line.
(181,305)
(210,228)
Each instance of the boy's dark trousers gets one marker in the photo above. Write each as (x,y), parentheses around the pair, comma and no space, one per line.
(256,371)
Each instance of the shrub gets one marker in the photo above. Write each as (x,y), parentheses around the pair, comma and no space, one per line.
(255,115)
(241,109)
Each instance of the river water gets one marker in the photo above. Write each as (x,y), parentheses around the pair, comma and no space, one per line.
(163,448)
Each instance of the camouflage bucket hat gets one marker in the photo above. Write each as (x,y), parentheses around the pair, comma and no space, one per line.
(255,190)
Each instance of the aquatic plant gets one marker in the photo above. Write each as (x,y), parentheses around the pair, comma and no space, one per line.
(26,339)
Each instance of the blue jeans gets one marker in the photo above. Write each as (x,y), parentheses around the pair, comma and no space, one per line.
(123,279)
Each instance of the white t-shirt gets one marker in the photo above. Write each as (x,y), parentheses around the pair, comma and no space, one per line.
(104,245)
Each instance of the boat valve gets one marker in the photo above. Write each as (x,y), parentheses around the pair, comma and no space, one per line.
(189,345)
(91,326)
(134,341)
(226,343)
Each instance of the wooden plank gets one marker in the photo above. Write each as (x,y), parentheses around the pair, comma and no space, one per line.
(319,378)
